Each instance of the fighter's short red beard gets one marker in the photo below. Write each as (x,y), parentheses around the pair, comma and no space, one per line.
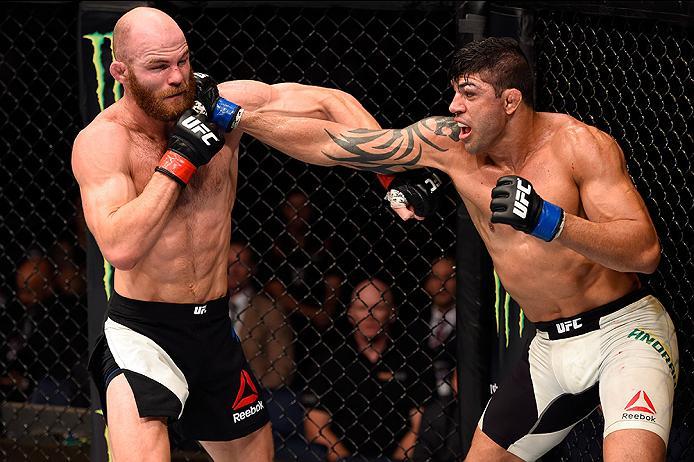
(156,105)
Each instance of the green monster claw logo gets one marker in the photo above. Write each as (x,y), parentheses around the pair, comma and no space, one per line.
(507,301)
(97,40)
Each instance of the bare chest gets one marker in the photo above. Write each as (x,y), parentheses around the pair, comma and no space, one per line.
(212,186)
(550,177)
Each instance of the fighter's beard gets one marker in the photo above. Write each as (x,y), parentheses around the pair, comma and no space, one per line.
(155,104)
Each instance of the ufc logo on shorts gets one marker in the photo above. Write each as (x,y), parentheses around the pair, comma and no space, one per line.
(520,206)
(195,126)
(202,309)
(569,325)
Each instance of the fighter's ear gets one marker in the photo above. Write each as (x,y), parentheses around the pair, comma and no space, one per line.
(118,70)
(512,98)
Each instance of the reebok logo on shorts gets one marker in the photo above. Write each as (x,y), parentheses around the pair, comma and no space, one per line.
(245,398)
(658,346)
(641,403)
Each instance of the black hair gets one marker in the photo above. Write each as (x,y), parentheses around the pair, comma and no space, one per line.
(499,62)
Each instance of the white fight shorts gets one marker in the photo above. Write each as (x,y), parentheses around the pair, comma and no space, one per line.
(622,356)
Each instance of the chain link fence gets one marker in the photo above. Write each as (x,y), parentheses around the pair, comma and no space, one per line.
(632,78)
(43,312)
(311,234)
(307,236)
(316,233)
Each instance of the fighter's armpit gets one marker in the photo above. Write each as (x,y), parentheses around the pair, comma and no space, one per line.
(383,150)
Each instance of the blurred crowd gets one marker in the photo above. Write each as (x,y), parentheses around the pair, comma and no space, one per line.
(352,371)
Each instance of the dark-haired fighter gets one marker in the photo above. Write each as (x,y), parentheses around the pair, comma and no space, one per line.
(158,183)
(567,231)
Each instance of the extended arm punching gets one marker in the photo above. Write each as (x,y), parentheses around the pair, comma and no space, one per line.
(327,143)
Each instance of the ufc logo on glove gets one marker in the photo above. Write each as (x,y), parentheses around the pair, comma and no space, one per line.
(520,206)
(196,126)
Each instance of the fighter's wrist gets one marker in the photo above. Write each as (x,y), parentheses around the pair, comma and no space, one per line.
(226,114)
(176,167)
(550,223)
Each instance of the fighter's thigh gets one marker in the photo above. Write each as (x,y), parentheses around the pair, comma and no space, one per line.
(633,444)
(637,383)
(483,449)
(131,437)
(256,447)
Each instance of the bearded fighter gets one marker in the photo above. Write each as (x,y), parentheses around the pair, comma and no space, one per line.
(158,181)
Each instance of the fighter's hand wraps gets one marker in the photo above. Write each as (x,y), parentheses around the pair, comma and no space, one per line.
(220,111)
(515,203)
(193,142)
(419,188)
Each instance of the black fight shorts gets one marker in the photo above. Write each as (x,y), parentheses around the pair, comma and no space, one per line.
(183,362)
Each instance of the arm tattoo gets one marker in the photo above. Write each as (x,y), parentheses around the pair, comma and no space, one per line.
(382,150)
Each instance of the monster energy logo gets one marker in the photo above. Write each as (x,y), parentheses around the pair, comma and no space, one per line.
(497,308)
(658,346)
(97,41)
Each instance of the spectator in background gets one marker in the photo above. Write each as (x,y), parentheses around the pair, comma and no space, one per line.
(299,282)
(240,269)
(267,340)
(365,405)
(439,434)
(299,261)
(13,381)
(440,285)
(70,286)
(32,348)
(70,278)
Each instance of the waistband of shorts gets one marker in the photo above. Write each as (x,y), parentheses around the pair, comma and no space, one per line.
(589,320)
(121,306)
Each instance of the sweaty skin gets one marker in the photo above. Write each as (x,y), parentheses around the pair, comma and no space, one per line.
(165,242)
(608,235)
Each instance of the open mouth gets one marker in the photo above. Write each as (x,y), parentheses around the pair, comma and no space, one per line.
(465,130)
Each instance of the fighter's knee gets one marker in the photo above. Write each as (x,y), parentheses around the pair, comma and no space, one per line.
(484,449)
(633,444)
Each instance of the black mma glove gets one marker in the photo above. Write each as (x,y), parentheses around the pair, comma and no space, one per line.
(220,111)
(419,188)
(192,143)
(515,203)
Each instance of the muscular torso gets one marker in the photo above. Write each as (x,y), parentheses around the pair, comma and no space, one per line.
(548,280)
(189,262)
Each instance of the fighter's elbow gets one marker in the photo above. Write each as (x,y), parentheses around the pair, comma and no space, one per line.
(121,258)
(650,258)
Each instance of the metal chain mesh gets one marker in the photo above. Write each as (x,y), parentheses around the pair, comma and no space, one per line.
(629,78)
(350,235)
(311,228)
(43,312)
(632,78)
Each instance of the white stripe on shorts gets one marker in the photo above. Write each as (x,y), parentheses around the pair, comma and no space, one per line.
(138,353)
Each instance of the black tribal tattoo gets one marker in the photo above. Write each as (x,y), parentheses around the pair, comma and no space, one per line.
(381,150)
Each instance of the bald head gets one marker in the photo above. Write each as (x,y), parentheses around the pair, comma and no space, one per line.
(144,29)
(372,291)
(372,308)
